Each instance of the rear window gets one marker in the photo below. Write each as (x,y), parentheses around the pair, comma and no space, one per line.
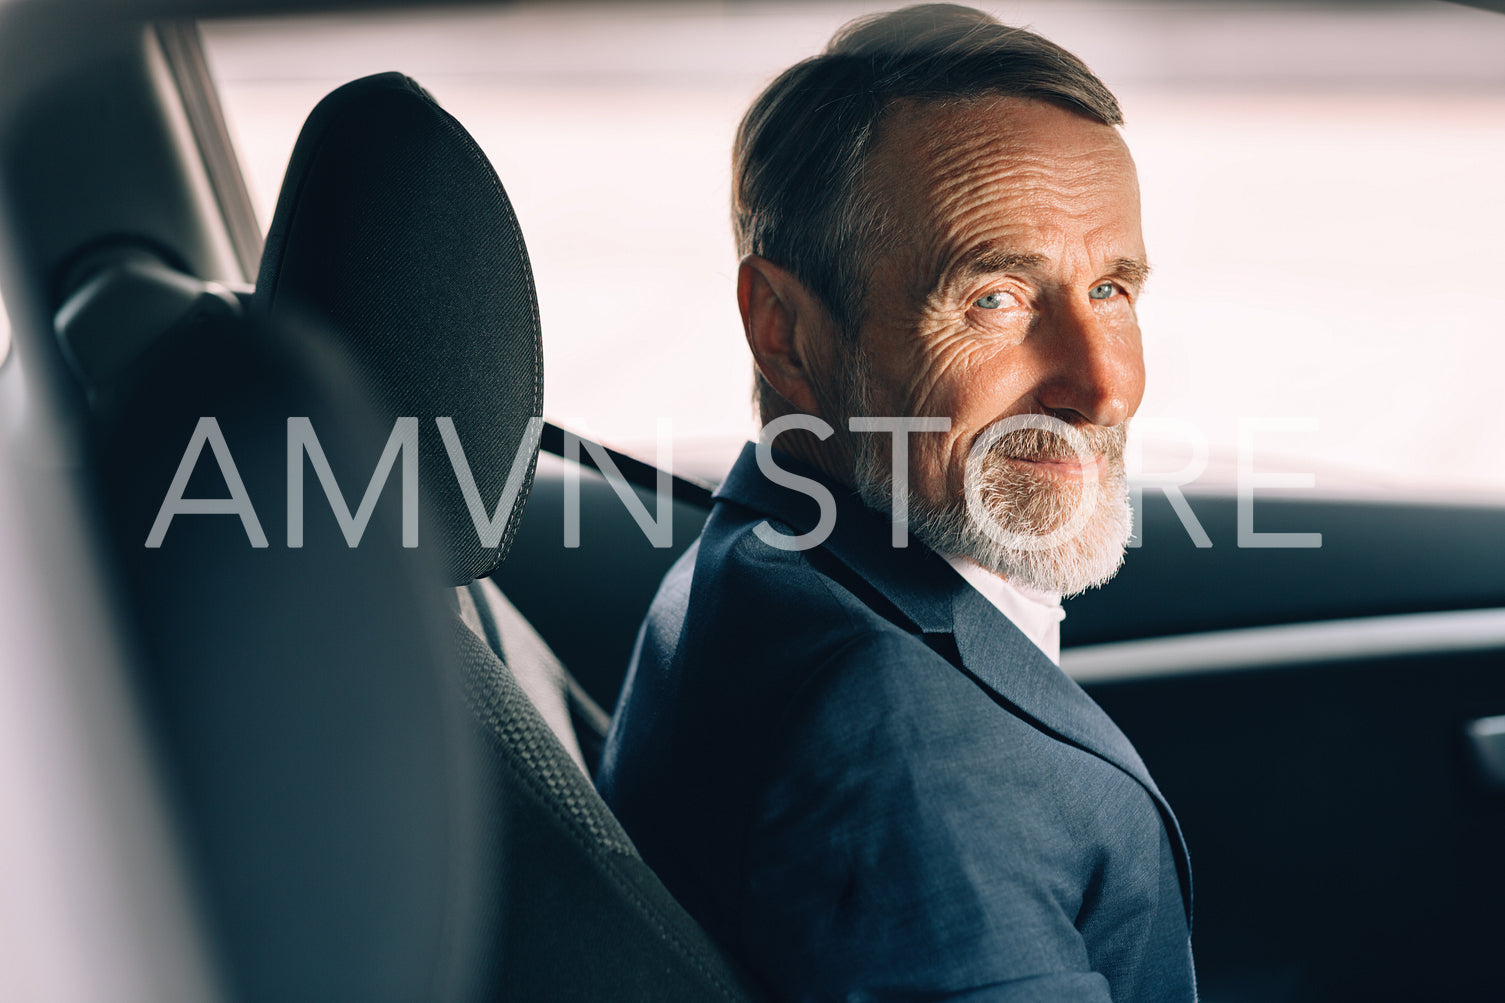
(1321,204)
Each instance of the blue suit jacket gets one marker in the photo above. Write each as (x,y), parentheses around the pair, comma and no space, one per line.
(869,785)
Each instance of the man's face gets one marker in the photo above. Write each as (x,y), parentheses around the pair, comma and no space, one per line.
(1007,286)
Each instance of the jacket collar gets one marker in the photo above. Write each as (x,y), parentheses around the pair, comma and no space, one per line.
(913,577)
(938,601)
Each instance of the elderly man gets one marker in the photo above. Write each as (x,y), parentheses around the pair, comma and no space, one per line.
(845,743)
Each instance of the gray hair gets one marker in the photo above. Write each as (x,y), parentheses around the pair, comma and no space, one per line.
(798,197)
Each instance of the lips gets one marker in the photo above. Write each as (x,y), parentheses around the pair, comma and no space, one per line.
(1064,469)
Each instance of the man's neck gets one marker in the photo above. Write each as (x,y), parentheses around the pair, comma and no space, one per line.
(832,456)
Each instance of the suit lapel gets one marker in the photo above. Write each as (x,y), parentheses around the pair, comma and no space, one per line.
(998,656)
(1005,661)
(937,601)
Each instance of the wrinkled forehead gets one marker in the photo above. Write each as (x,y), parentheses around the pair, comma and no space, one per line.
(942,171)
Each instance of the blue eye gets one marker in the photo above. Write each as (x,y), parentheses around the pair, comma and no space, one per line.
(1102,291)
(992,301)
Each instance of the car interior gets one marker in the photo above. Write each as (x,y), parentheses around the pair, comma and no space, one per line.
(282,766)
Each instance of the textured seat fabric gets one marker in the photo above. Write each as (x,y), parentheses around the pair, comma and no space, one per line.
(574,718)
(584,918)
(394,231)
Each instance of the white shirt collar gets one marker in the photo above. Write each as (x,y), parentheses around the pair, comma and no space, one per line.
(1037,614)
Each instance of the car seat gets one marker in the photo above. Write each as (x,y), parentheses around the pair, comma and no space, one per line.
(393,234)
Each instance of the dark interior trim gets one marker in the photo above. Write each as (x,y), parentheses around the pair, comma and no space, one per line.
(183,50)
(636,472)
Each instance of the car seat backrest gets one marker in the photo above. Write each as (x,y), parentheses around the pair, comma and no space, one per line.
(394,232)
(301,700)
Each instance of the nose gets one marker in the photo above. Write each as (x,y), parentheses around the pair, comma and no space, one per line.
(1093,364)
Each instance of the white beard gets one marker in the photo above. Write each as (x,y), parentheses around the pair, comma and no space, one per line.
(1039,539)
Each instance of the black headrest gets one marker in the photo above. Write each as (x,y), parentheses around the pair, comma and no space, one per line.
(393,232)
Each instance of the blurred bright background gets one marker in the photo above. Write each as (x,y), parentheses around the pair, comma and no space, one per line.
(1323,205)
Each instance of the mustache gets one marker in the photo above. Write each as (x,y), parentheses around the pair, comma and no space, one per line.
(1044,445)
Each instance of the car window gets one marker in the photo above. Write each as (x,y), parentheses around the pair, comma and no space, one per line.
(4,333)
(1320,188)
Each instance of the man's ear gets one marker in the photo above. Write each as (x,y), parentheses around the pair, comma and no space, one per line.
(783,324)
